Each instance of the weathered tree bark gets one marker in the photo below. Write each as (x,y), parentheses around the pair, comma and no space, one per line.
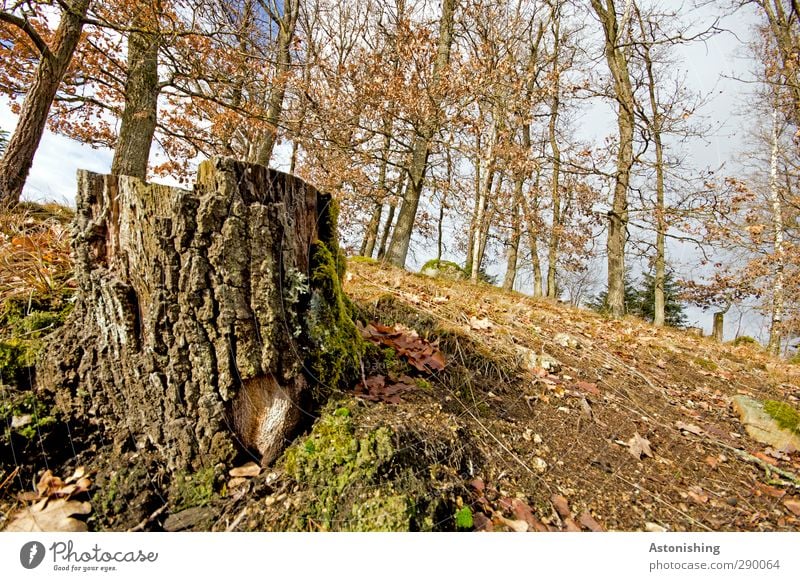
(778,247)
(139,117)
(285,21)
(53,62)
(513,248)
(404,228)
(204,319)
(555,185)
(617,61)
(719,326)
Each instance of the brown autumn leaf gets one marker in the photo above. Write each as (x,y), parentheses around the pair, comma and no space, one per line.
(638,447)
(691,428)
(482,324)
(588,522)
(697,495)
(561,505)
(571,526)
(587,387)
(793,506)
(762,489)
(51,515)
(518,526)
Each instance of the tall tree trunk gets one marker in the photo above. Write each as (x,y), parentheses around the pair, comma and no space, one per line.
(387,230)
(555,186)
(478,242)
(139,117)
(53,62)
(371,232)
(401,238)
(654,123)
(533,245)
(618,215)
(285,21)
(477,189)
(513,241)
(776,324)
(718,326)
(174,336)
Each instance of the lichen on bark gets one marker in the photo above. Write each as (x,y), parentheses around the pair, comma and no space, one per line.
(197,327)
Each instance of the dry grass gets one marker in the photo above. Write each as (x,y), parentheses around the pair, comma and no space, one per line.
(646,381)
(35,262)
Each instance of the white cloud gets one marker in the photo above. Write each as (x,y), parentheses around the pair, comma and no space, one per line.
(52,176)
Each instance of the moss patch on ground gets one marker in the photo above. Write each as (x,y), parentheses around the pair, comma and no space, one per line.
(785,415)
(349,477)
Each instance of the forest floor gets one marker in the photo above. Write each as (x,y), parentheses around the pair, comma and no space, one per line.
(479,409)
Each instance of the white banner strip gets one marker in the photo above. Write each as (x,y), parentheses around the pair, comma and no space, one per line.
(376,556)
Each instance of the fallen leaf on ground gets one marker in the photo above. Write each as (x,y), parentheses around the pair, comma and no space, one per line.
(765,458)
(691,428)
(377,388)
(761,488)
(588,522)
(561,505)
(697,494)
(523,512)
(51,516)
(793,506)
(518,526)
(571,526)
(588,387)
(638,447)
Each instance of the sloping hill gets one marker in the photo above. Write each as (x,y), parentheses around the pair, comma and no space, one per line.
(572,431)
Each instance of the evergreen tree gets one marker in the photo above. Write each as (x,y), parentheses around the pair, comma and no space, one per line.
(600,302)
(640,301)
(646,296)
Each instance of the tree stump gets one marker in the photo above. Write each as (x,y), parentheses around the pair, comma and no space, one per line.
(203,318)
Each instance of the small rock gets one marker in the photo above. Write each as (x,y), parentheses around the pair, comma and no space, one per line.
(248,470)
(236,482)
(566,340)
(539,465)
(537,439)
(21,421)
(652,527)
(188,519)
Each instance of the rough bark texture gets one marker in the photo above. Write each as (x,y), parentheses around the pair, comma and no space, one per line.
(618,214)
(141,107)
(18,158)
(404,228)
(203,317)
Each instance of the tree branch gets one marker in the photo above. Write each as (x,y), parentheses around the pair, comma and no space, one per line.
(29,31)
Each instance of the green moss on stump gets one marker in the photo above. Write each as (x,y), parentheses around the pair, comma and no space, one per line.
(785,415)
(336,345)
